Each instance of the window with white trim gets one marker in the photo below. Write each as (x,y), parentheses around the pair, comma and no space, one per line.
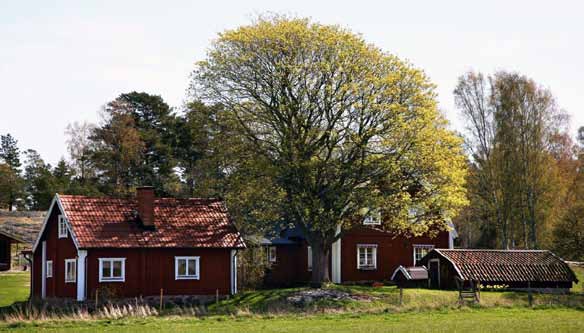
(186,268)
(62,227)
(112,269)
(271,254)
(49,268)
(420,250)
(309,258)
(367,256)
(70,270)
(373,217)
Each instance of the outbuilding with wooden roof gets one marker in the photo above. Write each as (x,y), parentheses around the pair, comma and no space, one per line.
(514,269)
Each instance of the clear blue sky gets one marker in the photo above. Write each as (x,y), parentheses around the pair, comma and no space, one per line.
(60,61)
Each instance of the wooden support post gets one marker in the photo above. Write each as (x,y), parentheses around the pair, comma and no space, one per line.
(478,291)
(529,294)
(401,295)
(96,298)
(161,295)
(217,296)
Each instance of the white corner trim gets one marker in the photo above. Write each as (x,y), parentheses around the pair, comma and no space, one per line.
(187,277)
(44,271)
(57,201)
(112,279)
(233,264)
(81,270)
(336,259)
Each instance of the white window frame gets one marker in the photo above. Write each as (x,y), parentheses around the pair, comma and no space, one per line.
(187,277)
(62,226)
(373,217)
(272,254)
(428,247)
(74,262)
(366,247)
(49,268)
(112,278)
(309,258)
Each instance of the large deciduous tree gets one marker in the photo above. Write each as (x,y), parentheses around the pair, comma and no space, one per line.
(341,126)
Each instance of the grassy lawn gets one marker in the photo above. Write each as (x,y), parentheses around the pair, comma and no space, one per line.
(379,310)
(466,320)
(579,288)
(14,287)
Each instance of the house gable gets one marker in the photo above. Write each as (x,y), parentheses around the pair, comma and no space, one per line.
(57,206)
(57,251)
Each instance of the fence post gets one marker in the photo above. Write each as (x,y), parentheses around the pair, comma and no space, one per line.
(401,295)
(161,295)
(529,294)
(217,296)
(96,298)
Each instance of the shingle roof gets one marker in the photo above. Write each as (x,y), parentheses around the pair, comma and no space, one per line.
(411,273)
(22,226)
(508,265)
(108,222)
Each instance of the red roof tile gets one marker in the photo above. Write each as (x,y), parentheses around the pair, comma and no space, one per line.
(181,223)
(508,265)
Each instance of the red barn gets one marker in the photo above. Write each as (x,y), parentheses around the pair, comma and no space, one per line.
(135,247)
(363,254)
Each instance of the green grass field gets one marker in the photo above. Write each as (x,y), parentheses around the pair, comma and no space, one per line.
(14,287)
(423,310)
(467,320)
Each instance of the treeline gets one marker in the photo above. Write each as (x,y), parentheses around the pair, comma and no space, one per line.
(525,182)
(140,140)
(526,174)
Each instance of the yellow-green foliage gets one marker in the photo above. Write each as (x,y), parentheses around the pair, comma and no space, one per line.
(344,124)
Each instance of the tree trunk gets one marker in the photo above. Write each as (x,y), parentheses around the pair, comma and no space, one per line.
(320,264)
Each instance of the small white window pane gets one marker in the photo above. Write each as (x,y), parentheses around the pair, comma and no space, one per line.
(106,269)
(192,268)
(117,271)
(49,269)
(182,267)
(70,271)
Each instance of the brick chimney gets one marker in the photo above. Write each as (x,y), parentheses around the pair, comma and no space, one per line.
(145,198)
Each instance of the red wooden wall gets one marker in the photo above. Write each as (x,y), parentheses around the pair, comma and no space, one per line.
(149,270)
(391,252)
(291,265)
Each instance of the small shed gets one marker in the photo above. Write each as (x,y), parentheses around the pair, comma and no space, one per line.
(410,276)
(515,269)
(17,232)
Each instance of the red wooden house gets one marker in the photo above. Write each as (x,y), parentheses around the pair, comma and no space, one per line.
(129,248)
(363,254)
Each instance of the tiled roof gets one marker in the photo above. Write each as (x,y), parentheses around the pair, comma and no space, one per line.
(508,265)
(108,222)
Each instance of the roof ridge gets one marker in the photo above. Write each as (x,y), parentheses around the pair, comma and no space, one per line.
(491,250)
(134,198)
